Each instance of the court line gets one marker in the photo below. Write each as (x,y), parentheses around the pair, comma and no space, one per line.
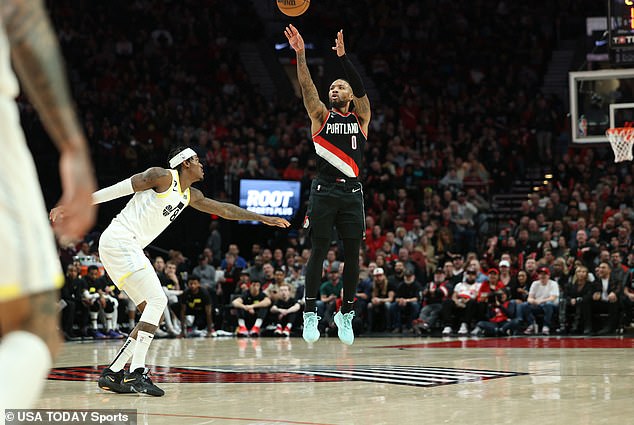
(277,421)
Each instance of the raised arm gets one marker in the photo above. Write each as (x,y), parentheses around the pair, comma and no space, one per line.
(361,101)
(38,63)
(230,211)
(315,107)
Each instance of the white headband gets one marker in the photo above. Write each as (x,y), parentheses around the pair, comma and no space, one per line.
(181,156)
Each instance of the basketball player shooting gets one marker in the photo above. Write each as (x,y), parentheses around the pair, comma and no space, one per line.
(336,195)
(160,195)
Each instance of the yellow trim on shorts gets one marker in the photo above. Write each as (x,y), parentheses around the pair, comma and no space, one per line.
(125,276)
(14,290)
(10,291)
(59,280)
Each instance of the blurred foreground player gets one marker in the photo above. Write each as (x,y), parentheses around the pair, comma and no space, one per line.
(160,195)
(336,194)
(31,273)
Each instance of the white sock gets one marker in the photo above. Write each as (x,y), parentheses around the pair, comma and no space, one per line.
(109,322)
(124,354)
(24,364)
(289,325)
(93,319)
(241,323)
(143,341)
(258,322)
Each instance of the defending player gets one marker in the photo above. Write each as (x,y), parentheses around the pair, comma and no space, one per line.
(160,195)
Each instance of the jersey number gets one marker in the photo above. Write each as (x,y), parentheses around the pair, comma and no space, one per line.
(353,141)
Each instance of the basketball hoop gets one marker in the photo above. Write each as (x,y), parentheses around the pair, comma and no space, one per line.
(621,139)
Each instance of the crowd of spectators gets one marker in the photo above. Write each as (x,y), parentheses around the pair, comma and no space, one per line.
(460,117)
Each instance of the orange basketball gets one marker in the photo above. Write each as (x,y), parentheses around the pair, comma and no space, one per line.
(293,7)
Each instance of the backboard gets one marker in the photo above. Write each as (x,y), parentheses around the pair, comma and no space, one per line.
(600,100)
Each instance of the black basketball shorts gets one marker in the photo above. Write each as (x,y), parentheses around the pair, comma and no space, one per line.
(336,203)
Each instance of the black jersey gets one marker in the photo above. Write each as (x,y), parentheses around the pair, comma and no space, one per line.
(340,144)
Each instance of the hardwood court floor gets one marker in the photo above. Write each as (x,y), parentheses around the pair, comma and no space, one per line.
(401,381)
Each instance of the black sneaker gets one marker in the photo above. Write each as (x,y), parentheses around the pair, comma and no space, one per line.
(139,382)
(112,381)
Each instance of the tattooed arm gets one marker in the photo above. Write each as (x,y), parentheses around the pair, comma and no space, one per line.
(156,178)
(315,107)
(38,63)
(230,211)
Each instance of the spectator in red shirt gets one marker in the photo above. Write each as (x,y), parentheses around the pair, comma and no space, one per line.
(487,292)
(292,171)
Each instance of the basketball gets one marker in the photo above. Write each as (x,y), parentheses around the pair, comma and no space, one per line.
(293,7)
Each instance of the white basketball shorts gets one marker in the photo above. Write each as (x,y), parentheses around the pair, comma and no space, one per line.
(120,254)
(29,261)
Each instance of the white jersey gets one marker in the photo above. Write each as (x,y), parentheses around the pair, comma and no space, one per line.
(8,82)
(29,262)
(148,213)
(467,290)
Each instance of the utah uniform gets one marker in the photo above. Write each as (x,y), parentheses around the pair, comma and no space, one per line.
(29,261)
(336,195)
(145,216)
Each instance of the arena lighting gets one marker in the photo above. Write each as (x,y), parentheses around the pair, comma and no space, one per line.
(548,176)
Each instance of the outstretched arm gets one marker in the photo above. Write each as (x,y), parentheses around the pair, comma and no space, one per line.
(361,101)
(230,211)
(39,65)
(156,178)
(315,107)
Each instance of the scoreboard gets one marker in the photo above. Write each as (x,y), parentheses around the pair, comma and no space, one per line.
(621,31)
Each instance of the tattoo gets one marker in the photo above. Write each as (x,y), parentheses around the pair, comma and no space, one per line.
(362,105)
(43,318)
(309,92)
(233,212)
(149,179)
(39,64)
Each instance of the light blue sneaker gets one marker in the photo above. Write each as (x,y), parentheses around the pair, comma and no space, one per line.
(344,327)
(311,332)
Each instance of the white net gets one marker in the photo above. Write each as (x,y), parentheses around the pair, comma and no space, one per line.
(621,139)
